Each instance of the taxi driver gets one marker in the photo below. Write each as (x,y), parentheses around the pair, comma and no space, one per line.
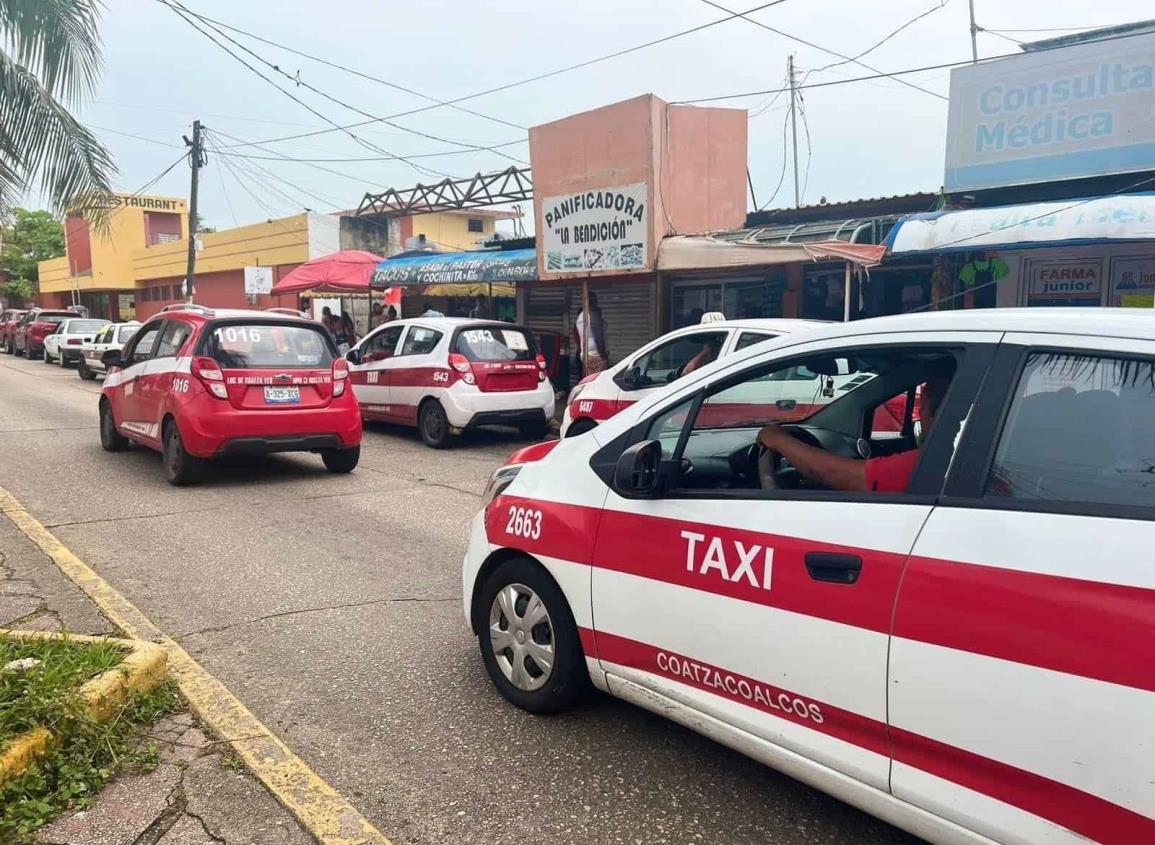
(889,474)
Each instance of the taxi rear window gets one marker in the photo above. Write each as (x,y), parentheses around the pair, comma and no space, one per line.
(85,326)
(495,343)
(241,346)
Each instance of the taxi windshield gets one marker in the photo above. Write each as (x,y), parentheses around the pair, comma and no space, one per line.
(280,345)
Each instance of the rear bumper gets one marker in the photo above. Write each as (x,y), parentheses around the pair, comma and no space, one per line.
(522,416)
(211,427)
(466,406)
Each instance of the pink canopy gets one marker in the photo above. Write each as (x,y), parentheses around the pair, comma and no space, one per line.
(347,271)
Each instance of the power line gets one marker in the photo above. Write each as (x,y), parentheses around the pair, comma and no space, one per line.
(359,159)
(225,151)
(782,175)
(290,95)
(158,177)
(355,72)
(538,77)
(878,44)
(998,35)
(809,150)
(745,16)
(296,79)
(137,137)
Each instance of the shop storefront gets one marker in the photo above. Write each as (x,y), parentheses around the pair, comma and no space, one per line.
(459,284)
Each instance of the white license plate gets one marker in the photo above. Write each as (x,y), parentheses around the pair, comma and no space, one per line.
(282,395)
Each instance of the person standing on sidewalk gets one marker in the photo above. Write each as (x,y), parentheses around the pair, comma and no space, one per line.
(595,353)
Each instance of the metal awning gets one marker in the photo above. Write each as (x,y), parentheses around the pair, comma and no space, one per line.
(1119,217)
(483,266)
(702,252)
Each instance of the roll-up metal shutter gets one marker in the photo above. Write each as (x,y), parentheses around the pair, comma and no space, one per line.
(628,308)
(548,307)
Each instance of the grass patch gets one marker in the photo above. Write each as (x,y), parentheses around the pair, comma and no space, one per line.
(88,753)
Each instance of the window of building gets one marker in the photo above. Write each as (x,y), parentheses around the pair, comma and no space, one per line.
(1079,430)
(476,224)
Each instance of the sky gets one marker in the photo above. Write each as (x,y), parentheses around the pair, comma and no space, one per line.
(859,139)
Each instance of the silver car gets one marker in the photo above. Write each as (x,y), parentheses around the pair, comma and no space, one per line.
(93,353)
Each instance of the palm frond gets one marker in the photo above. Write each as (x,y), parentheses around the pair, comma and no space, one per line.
(45,144)
(56,40)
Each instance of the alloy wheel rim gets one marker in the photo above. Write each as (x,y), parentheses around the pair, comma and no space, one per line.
(521,635)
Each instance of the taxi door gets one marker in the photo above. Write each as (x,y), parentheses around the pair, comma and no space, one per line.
(130,405)
(370,376)
(769,610)
(417,367)
(1022,689)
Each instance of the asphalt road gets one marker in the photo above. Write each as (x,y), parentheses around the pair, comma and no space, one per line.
(330,605)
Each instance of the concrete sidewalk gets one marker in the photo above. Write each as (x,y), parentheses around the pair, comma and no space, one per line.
(198,794)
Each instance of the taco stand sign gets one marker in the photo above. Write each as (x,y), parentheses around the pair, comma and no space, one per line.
(600,229)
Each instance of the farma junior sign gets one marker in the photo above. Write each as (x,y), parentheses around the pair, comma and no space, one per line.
(1066,113)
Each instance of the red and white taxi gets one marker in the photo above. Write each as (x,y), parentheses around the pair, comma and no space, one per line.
(971,659)
(447,374)
(196,383)
(599,396)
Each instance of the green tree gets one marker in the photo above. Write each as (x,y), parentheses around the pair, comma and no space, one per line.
(34,236)
(50,56)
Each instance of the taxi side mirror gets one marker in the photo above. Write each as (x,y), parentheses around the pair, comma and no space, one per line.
(112,358)
(353,356)
(639,470)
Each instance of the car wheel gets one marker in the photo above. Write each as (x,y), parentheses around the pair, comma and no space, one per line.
(529,640)
(534,430)
(16,351)
(110,438)
(434,425)
(62,361)
(341,460)
(580,427)
(83,371)
(180,467)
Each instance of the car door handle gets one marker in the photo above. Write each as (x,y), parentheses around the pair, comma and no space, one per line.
(833,567)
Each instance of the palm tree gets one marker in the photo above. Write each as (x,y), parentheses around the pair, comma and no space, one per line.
(49,56)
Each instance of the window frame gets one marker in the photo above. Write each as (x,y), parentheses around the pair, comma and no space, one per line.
(742,334)
(621,380)
(368,340)
(931,476)
(404,339)
(966,488)
(129,358)
(171,326)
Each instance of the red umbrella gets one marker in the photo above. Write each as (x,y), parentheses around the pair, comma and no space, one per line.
(347,271)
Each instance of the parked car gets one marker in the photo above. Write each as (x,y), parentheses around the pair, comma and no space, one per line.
(599,396)
(64,344)
(962,648)
(92,353)
(197,384)
(28,338)
(445,375)
(9,319)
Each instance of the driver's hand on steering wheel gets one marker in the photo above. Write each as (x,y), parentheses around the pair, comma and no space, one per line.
(771,436)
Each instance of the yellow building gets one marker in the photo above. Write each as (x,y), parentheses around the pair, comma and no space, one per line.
(451,231)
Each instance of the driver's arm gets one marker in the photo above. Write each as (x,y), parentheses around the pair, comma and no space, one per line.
(834,471)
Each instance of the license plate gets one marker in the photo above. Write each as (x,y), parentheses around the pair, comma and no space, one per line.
(282,395)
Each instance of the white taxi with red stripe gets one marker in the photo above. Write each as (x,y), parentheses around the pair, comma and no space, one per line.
(446,374)
(599,396)
(971,658)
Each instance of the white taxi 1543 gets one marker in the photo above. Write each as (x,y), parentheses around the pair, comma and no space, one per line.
(599,396)
(951,627)
(447,374)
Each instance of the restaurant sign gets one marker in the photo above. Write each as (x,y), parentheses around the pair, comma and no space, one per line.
(600,229)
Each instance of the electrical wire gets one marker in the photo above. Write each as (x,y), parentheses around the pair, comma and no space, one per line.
(782,175)
(228,200)
(809,151)
(537,78)
(355,72)
(878,44)
(262,175)
(294,98)
(137,137)
(360,159)
(986,31)
(296,79)
(158,177)
(226,150)
(745,16)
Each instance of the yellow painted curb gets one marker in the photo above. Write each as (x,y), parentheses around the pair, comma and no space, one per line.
(141,669)
(325,813)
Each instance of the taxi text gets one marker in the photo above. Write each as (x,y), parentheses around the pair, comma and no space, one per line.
(718,555)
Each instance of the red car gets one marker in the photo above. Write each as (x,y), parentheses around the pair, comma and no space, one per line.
(8,322)
(34,326)
(197,384)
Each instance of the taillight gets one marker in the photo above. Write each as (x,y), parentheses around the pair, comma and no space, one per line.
(461,364)
(540,367)
(340,376)
(209,372)
(74,341)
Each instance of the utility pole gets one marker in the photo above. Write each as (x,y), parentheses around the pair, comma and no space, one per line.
(196,162)
(793,127)
(974,35)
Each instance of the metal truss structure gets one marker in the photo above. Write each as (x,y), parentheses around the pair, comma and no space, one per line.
(514,184)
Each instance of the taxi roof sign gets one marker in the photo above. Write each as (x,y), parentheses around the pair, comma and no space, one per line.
(713,317)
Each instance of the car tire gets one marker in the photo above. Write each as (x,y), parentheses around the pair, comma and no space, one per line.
(180,468)
(434,425)
(533,688)
(110,437)
(62,361)
(536,430)
(16,351)
(341,460)
(580,427)
(83,371)
(45,357)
